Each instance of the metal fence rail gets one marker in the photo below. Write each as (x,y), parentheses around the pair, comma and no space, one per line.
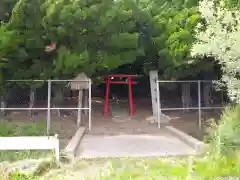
(48,100)
(199,106)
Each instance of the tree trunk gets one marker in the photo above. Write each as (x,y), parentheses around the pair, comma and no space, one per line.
(31,101)
(3,105)
(186,96)
(207,95)
(58,100)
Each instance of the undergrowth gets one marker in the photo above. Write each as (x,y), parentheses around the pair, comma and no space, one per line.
(191,168)
(224,136)
(8,129)
(11,129)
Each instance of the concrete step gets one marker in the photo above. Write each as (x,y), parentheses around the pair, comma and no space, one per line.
(142,145)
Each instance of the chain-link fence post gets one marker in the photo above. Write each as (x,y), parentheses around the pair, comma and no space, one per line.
(159,112)
(199,106)
(49,107)
(90,105)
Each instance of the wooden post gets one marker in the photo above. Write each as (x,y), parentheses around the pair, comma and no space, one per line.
(79,115)
(57,149)
(85,101)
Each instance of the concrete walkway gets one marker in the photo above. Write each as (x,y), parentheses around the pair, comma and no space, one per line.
(93,146)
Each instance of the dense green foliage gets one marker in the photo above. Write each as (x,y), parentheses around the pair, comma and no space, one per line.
(171,34)
(98,36)
(224,136)
(91,35)
(218,37)
(94,36)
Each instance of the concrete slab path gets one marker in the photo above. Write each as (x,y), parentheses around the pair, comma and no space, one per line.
(143,145)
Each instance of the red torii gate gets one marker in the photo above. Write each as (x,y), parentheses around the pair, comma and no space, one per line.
(129,82)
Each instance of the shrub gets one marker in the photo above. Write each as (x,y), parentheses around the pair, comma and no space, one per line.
(224,137)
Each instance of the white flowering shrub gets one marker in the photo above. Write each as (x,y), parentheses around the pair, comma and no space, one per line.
(218,35)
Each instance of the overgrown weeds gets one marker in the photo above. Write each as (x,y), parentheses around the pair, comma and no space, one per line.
(224,137)
(10,129)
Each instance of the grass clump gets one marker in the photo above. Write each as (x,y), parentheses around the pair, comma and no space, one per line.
(11,129)
(8,129)
(176,168)
(224,136)
(20,176)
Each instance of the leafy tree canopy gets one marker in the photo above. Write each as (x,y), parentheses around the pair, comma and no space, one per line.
(218,37)
(97,35)
(92,35)
(167,34)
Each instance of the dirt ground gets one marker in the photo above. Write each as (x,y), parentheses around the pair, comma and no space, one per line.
(185,121)
(66,127)
(188,122)
(127,125)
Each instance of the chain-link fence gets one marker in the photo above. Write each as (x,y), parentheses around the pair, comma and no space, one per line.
(49,101)
(190,97)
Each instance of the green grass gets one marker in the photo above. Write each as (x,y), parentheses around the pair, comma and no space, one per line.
(11,129)
(22,129)
(21,155)
(191,168)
